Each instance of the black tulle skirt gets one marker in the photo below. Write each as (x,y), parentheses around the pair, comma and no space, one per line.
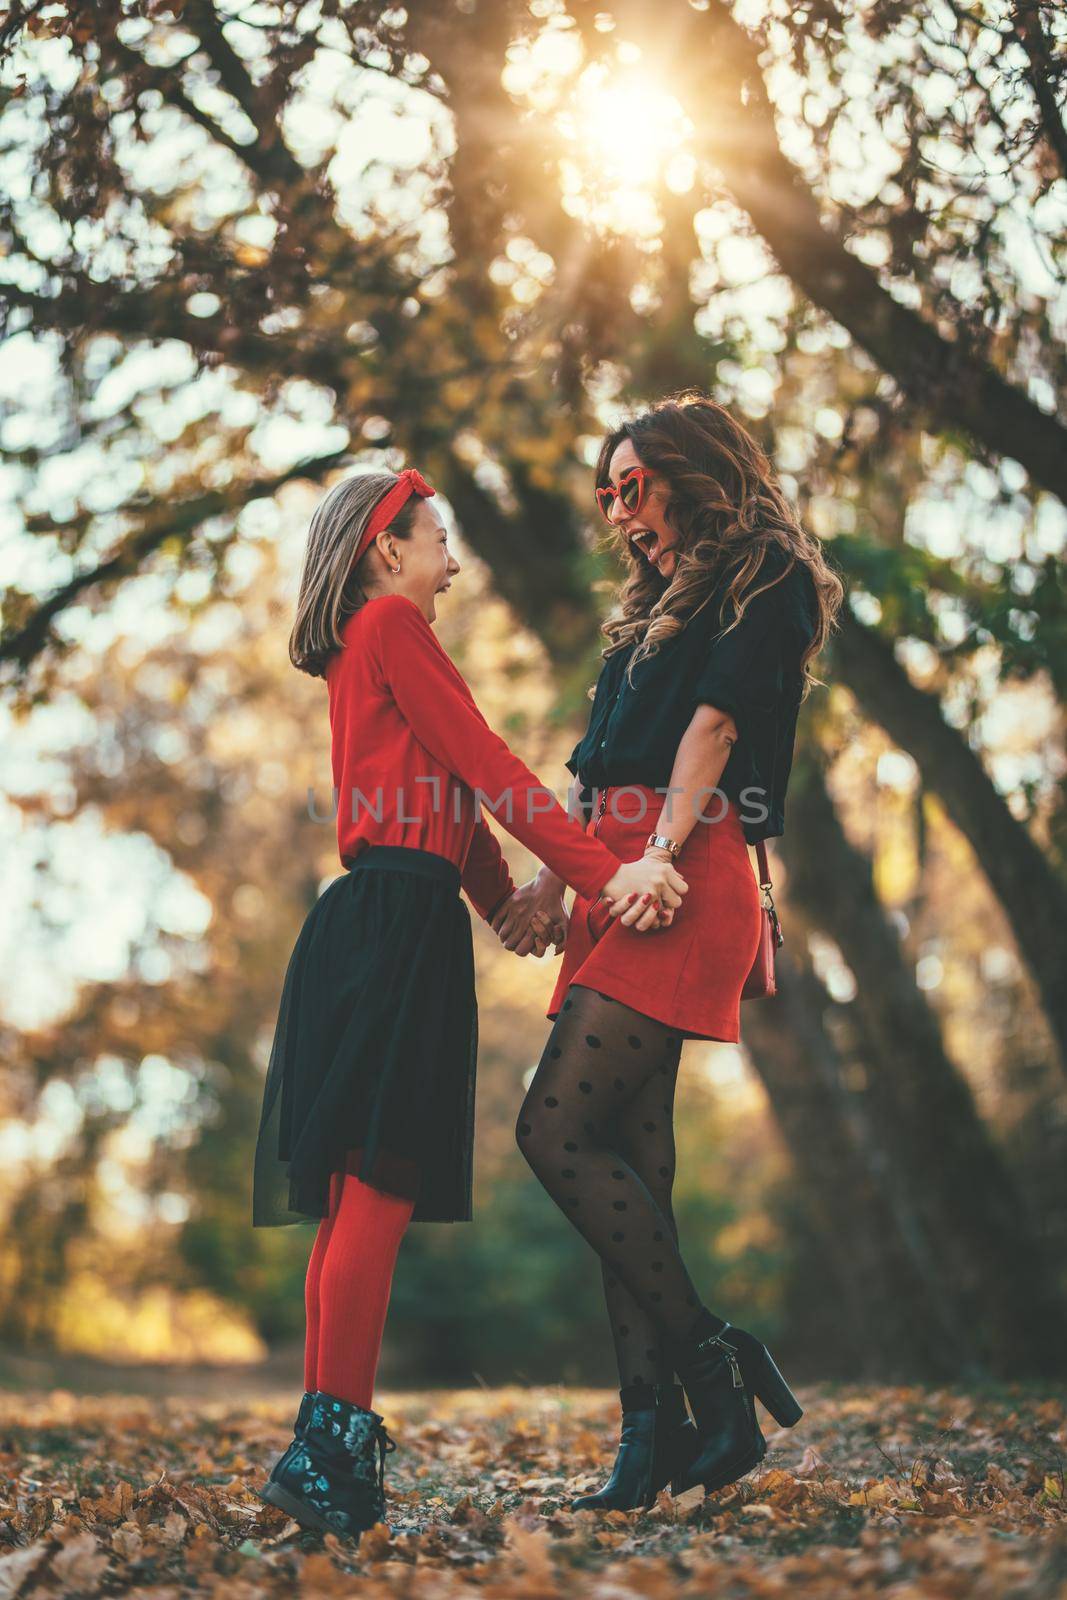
(372,1069)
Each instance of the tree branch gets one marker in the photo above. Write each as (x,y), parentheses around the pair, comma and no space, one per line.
(269,157)
(944,377)
(1026,20)
(167,82)
(22,644)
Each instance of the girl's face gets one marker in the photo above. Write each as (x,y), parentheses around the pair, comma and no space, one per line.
(427,566)
(650,537)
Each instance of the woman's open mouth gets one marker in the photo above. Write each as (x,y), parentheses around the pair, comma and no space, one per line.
(646,542)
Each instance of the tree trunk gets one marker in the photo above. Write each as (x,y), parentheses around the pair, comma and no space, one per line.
(1034,897)
(536,558)
(884,1286)
(1000,1307)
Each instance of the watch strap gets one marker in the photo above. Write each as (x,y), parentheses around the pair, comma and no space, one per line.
(661,842)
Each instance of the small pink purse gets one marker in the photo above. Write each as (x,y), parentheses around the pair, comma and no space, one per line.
(760,984)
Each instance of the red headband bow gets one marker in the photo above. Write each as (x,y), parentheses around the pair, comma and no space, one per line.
(410,482)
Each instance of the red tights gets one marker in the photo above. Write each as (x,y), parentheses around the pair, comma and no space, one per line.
(346,1292)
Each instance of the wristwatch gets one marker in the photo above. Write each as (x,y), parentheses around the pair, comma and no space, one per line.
(661,842)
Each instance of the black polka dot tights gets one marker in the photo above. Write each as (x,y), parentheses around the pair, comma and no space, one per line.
(597,1127)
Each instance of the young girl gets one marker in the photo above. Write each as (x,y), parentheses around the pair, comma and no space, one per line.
(368,1109)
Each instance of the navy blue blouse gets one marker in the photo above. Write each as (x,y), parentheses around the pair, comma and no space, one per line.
(753,673)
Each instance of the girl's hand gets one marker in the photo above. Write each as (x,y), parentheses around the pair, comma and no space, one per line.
(546,933)
(640,889)
(532,918)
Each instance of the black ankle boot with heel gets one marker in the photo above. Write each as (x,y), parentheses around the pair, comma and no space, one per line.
(657,1444)
(723,1373)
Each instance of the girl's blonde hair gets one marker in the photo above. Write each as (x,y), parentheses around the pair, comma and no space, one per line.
(329,589)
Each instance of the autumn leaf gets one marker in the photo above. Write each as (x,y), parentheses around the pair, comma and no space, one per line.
(17,1567)
(376,1543)
(78,1565)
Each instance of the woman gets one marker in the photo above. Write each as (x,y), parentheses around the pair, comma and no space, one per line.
(726,603)
(368,1107)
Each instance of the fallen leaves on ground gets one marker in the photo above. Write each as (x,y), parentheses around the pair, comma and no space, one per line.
(906,1492)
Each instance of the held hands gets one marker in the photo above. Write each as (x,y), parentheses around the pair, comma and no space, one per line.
(645,894)
(532,918)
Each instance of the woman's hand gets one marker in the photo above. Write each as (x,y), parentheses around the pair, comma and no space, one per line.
(641,890)
(666,913)
(533,917)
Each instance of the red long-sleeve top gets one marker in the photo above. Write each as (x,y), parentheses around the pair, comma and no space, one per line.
(413,757)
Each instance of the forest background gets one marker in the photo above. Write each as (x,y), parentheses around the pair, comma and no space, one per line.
(247,248)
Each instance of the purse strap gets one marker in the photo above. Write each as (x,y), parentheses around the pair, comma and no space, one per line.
(766,898)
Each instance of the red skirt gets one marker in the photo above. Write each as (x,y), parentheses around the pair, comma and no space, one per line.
(688,975)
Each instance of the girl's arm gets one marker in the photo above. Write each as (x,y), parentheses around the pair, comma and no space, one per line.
(437,705)
(542,896)
(485,878)
(435,701)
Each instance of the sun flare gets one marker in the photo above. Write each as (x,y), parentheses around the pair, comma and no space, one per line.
(625,139)
(631,130)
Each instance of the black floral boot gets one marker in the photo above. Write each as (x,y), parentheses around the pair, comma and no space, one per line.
(303,1416)
(721,1373)
(657,1444)
(331,1482)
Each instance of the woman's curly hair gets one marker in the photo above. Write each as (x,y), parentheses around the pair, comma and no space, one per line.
(728,509)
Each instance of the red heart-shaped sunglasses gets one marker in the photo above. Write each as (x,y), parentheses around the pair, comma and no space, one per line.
(631,489)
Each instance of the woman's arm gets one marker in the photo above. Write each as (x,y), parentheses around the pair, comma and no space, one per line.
(724,688)
(702,755)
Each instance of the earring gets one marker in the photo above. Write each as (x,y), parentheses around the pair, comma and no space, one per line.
(396,569)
